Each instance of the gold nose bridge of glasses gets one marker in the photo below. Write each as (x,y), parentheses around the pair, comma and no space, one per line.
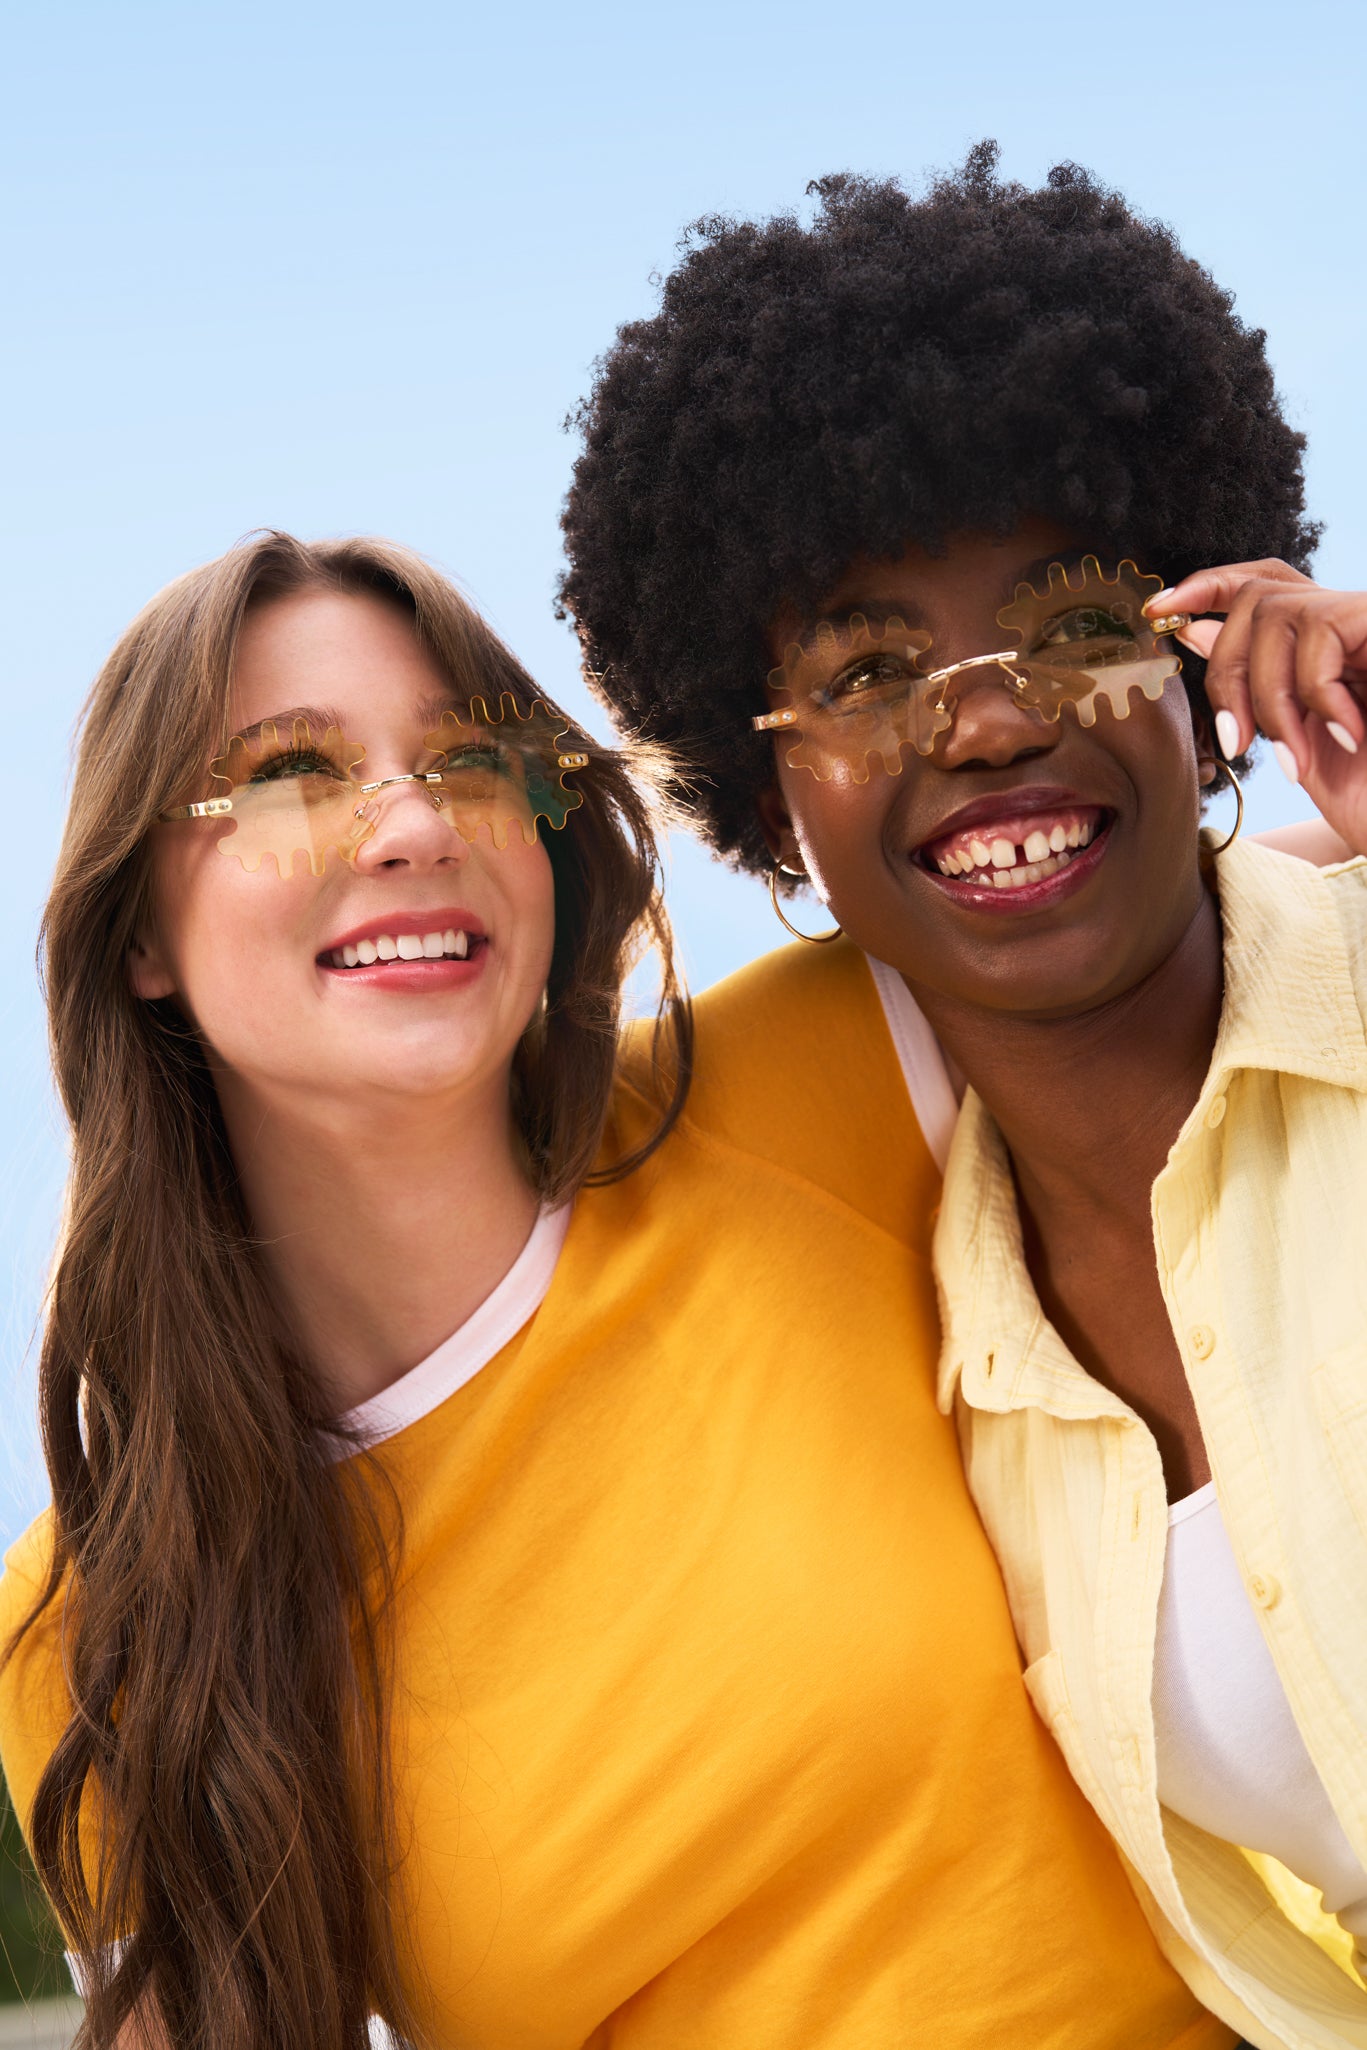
(427,777)
(1004,658)
(768,722)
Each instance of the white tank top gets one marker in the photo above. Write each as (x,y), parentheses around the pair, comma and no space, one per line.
(1230,1757)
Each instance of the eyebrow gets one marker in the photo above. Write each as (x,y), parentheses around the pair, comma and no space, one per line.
(1037,572)
(318,718)
(910,611)
(883,609)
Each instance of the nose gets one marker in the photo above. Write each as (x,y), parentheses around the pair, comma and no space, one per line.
(991,728)
(412,828)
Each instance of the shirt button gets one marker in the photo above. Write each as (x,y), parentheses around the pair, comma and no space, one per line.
(1216,1113)
(1265,1590)
(1202,1341)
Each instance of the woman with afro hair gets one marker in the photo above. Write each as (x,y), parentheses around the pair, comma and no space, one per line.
(885,529)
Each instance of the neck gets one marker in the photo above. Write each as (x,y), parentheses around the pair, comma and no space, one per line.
(1090,1105)
(385,1224)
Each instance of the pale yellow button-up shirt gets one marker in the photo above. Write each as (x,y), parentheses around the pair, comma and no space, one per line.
(1260,1233)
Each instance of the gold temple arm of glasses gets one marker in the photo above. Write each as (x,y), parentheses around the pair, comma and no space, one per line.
(212,808)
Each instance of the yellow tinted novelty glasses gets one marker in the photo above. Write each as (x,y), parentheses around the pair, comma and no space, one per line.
(858,690)
(291,791)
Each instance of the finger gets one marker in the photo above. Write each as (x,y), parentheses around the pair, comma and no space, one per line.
(1331,779)
(1214,590)
(1321,659)
(1272,680)
(1227,679)
(1201,636)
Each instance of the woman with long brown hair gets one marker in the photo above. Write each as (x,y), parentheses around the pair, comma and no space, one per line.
(301,1160)
(534,1601)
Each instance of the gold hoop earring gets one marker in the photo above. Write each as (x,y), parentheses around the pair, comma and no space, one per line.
(813,939)
(1239,811)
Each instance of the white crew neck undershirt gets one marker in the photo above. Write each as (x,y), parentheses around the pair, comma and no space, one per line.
(480,1339)
(923,1064)
(1230,1757)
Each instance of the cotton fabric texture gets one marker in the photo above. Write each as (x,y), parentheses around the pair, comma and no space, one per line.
(1258,1232)
(711,1728)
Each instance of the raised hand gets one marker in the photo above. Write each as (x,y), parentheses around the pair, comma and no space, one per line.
(1289,660)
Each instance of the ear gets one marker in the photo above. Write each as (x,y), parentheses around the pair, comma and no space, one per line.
(1207,762)
(149,973)
(777,828)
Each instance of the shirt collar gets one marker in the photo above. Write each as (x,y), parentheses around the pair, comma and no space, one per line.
(1290,1004)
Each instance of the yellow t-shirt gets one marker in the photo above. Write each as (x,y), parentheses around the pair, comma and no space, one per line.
(710,1726)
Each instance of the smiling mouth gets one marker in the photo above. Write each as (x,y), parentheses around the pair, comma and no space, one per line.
(1010,853)
(449,944)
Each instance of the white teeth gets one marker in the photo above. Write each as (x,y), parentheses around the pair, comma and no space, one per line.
(949,868)
(1084,836)
(1003,854)
(1074,834)
(1001,878)
(408,946)
(979,850)
(1036,846)
(1058,838)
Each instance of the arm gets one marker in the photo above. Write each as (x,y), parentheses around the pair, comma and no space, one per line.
(1309,840)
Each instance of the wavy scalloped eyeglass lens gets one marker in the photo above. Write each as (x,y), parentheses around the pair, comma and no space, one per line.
(1085,640)
(287,794)
(852,693)
(502,769)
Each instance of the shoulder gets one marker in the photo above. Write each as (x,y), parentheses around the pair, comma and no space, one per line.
(27,1564)
(34,1705)
(795,1067)
(1345,886)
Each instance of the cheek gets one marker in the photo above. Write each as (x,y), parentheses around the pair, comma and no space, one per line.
(1157,747)
(531,894)
(233,941)
(839,825)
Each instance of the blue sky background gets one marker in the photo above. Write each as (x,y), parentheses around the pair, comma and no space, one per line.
(346,268)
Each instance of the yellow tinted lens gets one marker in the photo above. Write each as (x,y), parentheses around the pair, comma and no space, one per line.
(293,794)
(1084,641)
(857,692)
(504,769)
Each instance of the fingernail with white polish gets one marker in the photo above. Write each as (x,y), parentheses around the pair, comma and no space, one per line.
(1342,736)
(1286,761)
(1227,733)
(1159,601)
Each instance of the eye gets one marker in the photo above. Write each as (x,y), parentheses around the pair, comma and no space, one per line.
(481,757)
(297,761)
(871,679)
(1083,623)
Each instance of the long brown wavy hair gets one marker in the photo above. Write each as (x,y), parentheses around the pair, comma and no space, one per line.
(215,1826)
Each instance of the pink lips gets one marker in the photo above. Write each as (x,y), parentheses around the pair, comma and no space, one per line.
(419,951)
(1018,849)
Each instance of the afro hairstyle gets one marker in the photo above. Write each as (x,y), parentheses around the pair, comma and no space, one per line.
(893,373)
